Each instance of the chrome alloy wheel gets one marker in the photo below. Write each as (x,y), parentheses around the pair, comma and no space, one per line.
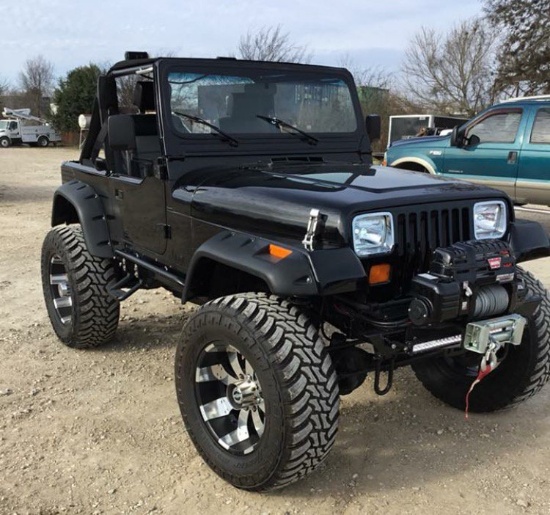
(230,398)
(60,290)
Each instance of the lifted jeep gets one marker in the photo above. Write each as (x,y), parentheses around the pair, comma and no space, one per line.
(247,188)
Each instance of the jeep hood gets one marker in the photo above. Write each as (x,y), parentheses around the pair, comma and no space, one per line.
(275,201)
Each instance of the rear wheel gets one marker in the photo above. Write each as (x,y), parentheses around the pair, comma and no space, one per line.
(524,370)
(75,283)
(257,390)
(43,141)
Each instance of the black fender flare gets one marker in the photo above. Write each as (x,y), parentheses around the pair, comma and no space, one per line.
(300,274)
(528,240)
(78,202)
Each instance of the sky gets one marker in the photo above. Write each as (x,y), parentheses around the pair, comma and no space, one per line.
(71,33)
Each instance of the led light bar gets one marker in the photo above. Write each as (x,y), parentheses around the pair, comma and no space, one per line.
(435,344)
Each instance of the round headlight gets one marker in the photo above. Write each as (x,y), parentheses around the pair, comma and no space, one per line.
(490,220)
(373,234)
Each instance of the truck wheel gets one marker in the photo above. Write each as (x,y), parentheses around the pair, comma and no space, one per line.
(4,142)
(523,372)
(81,311)
(257,390)
(43,141)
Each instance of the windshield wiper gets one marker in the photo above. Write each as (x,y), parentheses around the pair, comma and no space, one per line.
(285,125)
(225,137)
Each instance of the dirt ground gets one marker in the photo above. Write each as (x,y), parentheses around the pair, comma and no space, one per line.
(100,432)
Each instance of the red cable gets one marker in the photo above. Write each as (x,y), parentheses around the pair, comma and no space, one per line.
(482,373)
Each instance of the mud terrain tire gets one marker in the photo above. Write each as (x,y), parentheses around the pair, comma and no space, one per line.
(521,374)
(270,341)
(75,283)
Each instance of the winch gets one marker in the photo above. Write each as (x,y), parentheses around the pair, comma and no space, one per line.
(472,280)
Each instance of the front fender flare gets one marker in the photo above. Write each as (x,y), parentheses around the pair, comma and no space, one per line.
(301,274)
(528,240)
(77,202)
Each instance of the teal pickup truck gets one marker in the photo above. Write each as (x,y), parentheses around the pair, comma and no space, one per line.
(507,146)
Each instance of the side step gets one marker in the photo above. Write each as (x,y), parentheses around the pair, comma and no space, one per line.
(119,291)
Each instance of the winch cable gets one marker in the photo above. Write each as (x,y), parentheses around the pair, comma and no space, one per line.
(488,363)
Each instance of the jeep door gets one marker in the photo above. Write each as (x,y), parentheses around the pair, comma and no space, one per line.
(533,183)
(494,159)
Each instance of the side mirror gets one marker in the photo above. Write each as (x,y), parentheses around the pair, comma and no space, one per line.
(457,137)
(374,125)
(122,132)
(473,140)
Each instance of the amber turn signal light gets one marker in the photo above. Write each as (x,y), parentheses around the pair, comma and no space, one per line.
(278,252)
(379,274)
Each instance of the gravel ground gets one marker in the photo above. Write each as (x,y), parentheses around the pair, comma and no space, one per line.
(100,432)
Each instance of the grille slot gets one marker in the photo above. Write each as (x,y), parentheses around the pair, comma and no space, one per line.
(421,231)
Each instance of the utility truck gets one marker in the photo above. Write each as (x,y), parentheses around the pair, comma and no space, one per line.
(21,127)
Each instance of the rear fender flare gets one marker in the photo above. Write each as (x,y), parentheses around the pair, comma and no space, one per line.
(77,202)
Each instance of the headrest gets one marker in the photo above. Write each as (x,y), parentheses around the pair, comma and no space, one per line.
(248,105)
(144,96)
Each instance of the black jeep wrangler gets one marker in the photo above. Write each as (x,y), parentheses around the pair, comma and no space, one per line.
(248,188)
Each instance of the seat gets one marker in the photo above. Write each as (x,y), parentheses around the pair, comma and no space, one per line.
(244,108)
(146,128)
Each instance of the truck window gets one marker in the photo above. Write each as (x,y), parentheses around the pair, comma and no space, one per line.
(499,127)
(541,127)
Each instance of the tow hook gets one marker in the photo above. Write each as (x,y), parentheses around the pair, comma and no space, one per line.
(389,379)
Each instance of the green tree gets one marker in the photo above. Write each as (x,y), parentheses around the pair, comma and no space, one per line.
(75,96)
(524,54)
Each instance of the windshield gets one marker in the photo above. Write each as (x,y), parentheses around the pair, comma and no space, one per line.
(235,104)
(3,125)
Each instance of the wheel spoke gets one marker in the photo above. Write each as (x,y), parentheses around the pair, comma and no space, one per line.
(258,422)
(219,408)
(238,435)
(59,279)
(63,302)
(235,364)
(213,373)
(248,368)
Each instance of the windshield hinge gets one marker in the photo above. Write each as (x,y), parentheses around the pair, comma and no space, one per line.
(161,168)
(313,227)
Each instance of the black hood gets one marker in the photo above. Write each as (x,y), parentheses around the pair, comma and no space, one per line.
(275,201)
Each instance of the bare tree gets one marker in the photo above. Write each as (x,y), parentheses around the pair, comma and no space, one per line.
(36,81)
(378,95)
(524,55)
(4,86)
(272,44)
(452,72)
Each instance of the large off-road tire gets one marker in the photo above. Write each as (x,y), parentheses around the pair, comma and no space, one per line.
(257,390)
(524,370)
(82,312)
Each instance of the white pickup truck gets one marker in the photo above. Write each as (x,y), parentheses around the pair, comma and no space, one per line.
(21,127)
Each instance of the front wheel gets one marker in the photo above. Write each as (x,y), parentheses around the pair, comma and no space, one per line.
(524,370)
(257,390)
(4,142)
